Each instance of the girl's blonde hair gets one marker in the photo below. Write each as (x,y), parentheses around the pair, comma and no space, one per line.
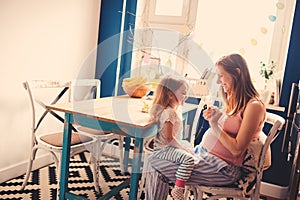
(169,83)
(243,89)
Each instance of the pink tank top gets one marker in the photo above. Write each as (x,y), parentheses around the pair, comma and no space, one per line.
(231,125)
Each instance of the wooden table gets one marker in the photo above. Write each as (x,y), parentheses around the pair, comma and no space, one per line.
(121,115)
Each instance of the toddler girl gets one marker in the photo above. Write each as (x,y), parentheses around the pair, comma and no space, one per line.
(169,97)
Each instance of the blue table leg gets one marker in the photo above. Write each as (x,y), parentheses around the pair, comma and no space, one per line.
(136,167)
(65,159)
(127,141)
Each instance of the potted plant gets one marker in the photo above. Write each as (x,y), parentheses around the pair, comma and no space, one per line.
(267,71)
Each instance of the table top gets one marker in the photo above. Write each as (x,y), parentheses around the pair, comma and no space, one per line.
(116,109)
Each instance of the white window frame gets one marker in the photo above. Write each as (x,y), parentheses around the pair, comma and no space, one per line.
(281,33)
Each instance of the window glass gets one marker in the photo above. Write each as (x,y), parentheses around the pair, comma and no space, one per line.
(244,27)
(163,7)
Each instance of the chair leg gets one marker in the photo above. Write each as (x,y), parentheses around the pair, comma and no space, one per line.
(142,185)
(57,161)
(29,167)
(95,170)
(101,149)
(94,162)
(187,192)
(199,193)
(121,143)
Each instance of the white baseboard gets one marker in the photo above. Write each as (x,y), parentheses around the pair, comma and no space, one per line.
(20,168)
(272,190)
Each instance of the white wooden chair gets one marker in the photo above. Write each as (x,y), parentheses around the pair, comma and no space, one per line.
(84,89)
(42,92)
(217,192)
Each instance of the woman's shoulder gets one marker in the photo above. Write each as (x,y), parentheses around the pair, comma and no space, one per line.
(255,105)
(256,102)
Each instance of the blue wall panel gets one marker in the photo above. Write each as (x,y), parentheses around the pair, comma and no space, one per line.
(127,47)
(292,69)
(108,44)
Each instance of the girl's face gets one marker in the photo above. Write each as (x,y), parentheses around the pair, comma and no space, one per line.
(225,79)
(181,94)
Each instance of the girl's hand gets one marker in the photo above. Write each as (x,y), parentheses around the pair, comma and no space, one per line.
(212,115)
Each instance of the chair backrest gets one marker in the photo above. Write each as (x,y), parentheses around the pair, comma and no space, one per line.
(277,123)
(41,93)
(196,121)
(83,89)
(290,110)
(204,101)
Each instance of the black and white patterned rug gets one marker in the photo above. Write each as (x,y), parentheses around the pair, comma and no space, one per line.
(42,183)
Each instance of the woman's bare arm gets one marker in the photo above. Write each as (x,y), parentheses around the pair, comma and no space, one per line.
(253,117)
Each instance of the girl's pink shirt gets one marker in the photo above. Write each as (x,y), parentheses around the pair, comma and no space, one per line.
(231,125)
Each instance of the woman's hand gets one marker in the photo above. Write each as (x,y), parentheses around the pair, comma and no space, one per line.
(212,114)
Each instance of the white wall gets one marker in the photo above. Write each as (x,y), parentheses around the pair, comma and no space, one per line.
(39,39)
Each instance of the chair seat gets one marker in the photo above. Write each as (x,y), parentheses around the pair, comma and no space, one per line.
(56,139)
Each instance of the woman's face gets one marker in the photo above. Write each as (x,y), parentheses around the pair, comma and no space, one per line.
(225,79)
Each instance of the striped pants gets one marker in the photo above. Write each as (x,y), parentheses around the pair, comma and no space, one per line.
(185,159)
(210,170)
